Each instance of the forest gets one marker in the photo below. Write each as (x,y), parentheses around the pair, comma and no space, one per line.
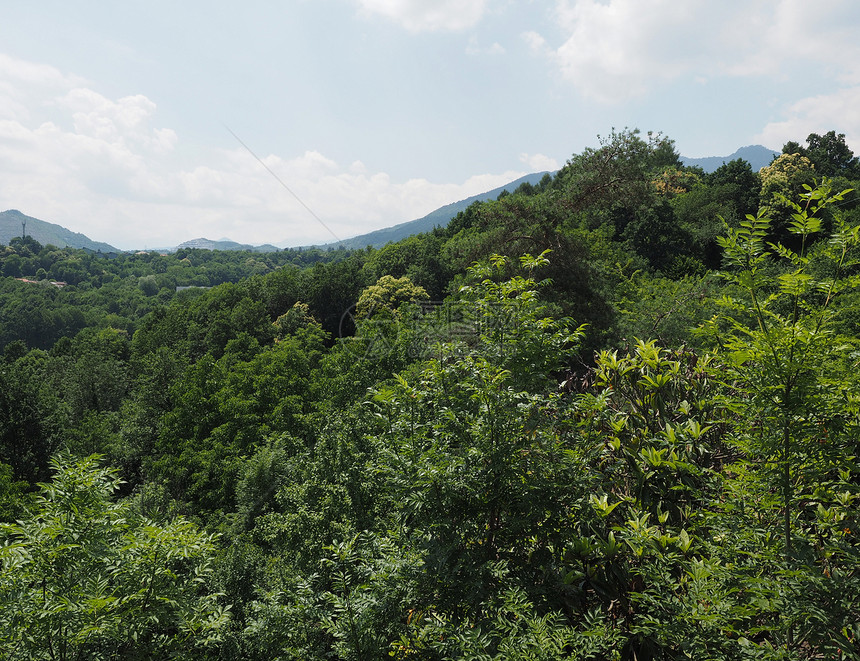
(613,416)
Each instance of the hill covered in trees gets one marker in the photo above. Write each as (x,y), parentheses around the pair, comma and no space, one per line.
(611,416)
(13,224)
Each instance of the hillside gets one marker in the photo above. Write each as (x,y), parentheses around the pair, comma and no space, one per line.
(46,233)
(438,218)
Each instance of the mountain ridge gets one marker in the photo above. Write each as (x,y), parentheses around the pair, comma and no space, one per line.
(758,156)
(439,217)
(225,244)
(45,232)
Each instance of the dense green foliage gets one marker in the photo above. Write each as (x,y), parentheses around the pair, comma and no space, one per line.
(611,416)
(86,577)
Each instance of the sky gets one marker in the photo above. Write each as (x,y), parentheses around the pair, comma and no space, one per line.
(147,123)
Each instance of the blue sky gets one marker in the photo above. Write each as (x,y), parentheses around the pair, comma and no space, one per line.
(116,118)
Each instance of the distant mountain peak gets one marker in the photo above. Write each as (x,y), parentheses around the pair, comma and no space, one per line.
(224,244)
(757,156)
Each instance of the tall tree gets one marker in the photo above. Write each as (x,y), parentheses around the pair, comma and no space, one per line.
(829,153)
(85,577)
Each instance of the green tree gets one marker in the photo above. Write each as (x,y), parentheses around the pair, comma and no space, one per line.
(791,379)
(148,284)
(86,577)
(387,294)
(791,346)
(738,184)
(224,409)
(729,193)
(782,181)
(12,495)
(618,173)
(12,266)
(828,153)
(31,415)
(296,318)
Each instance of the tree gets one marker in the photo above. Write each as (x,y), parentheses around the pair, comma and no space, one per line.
(781,181)
(654,234)
(618,173)
(387,294)
(86,577)
(737,182)
(31,416)
(295,319)
(12,266)
(148,285)
(479,477)
(790,376)
(828,153)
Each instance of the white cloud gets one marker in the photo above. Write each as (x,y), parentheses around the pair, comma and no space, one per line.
(773,38)
(616,50)
(474,48)
(536,43)
(539,162)
(839,111)
(119,121)
(102,167)
(23,86)
(427,15)
(353,202)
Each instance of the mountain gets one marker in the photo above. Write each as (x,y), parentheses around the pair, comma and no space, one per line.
(49,233)
(225,244)
(756,155)
(440,217)
(46,233)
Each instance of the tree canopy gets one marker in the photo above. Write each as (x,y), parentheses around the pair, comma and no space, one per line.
(608,417)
